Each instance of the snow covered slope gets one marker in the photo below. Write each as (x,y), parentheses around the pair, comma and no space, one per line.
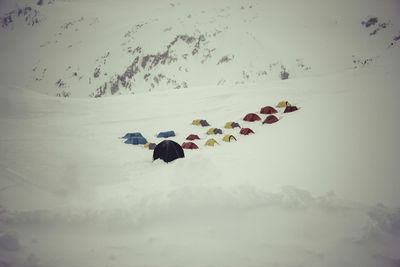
(92,48)
(304,191)
(318,188)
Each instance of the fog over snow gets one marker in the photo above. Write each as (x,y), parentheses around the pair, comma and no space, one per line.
(320,187)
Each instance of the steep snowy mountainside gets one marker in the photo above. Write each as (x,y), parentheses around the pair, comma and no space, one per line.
(87,48)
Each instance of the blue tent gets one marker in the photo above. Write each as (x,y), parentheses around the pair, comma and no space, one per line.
(136,141)
(166,134)
(129,135)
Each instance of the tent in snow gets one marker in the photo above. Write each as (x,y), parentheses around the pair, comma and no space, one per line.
(196,122)
(246,131)
(168,151)
(290,109)
(214,131)
(192,137)
(231,125)
(129,135)
(228,138)
(251,117)
(211,142)
(283,104)
(189,145)
(268,110)
(166,134)
(203,123)
(270,119)
(150,146)
(136,141)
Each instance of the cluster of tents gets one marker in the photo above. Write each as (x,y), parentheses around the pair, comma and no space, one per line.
(169,150)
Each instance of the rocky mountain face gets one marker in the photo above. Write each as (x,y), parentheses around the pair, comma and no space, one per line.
(71,49)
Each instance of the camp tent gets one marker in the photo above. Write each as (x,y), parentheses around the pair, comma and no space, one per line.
(214,131)
(168,151)
(283,104)
(211,131)
(228,138)
(268,110)
(246,131)
(235,125)
(196,122)
(228,125)
(270,119)
(150,146)
(136,141)
(192,137)
(203,123)
(217,131)
(211,142)
(290,109)
(129,135)
(231,125)
(252,117)
(166,134)
(189,145)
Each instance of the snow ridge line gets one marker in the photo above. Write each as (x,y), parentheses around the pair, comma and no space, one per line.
(186,200)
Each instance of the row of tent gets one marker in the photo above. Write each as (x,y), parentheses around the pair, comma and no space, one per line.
(169,150)
(209,142)
(138,139)
(251,117)
(166,134)
(254,117)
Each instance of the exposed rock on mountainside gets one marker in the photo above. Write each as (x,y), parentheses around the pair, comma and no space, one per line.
(360,63)
(95,54)
(225,59)
(369,22)
(151,62)
(30,15)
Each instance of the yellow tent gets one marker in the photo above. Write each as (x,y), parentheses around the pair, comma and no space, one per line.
(211,142)
(283,104)
(228,125)
(150,146)
(231,125)
(228,138)
(196,122)
(211,131)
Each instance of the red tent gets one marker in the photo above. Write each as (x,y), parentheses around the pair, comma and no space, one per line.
(189,145)
(268,110)
(270,119)
(251,117)
(192,137)
(290,109)
(246,131)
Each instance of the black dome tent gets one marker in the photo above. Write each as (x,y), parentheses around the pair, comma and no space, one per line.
(168,151)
